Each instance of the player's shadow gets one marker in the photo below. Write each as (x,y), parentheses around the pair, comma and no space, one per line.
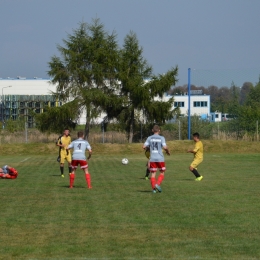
(74,187)
(185,180)
(145,191)
(55,175)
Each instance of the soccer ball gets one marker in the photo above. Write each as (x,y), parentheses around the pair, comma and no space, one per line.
(124,161)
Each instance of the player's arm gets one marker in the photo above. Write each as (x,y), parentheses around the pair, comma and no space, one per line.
(58,143)
(146,145)
(164,146)
(89,154)
(70,146)
(196,148)
(166,149)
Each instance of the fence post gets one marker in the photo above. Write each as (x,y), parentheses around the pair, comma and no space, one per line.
(218,130)
(257,137)
(103,132)
(189,123)
(26,134)
(179,129)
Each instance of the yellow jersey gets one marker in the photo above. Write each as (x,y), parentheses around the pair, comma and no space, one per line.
(65,140)
(198,151)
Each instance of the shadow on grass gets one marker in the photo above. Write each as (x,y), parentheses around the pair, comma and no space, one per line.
(74,187)
(145,191)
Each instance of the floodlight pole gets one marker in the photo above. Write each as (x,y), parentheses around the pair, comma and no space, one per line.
(189,124)
(2,109)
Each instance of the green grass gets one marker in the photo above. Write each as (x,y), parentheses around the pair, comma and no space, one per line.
(120,218)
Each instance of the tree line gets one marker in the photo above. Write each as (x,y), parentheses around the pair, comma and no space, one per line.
(242,103)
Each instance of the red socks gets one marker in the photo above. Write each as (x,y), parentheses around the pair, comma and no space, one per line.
(160,179)
(72,177)
(153,182)
(88,180)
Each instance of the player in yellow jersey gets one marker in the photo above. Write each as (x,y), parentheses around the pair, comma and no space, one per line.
(63,142)
(198,156)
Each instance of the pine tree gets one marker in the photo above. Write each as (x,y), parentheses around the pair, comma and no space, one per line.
(143,91)
(87,70)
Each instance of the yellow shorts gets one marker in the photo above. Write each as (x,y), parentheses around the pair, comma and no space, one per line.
(65,155)
(195,163)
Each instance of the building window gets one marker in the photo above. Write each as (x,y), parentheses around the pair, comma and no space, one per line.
(204,104)
(200,103)
(178,104)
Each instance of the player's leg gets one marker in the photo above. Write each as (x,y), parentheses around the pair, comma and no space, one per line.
(74,165)
(153,170)
(84,167)
(153,181)
(162,168)
(12,172)
(147,170)
(62,161)
(193,169)
(68,157)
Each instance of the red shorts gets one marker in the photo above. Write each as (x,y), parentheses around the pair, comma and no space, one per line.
(83,164)
(154,166)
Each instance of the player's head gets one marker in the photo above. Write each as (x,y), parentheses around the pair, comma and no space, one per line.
(196,136)
(80,134)
(66,132)
(156,129)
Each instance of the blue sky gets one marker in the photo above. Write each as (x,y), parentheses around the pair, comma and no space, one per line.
(197,34)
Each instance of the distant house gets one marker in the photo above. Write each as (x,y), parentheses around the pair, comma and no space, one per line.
(199,103)
(220,117)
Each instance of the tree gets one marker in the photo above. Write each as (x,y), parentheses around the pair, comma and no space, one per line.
(253,97)
(56,119)
(246,88)
(142,90)
(87,70)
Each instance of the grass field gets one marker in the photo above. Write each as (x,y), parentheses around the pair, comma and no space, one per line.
(120,218)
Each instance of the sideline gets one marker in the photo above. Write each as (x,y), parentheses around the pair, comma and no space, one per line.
(25,159)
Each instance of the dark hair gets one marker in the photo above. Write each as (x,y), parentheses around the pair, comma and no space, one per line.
(80,134)
(196,135)
(156,128)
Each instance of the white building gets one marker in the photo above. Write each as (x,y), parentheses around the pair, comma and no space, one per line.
(199,104)
(22,86)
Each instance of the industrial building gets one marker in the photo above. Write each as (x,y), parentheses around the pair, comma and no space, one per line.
(19,96)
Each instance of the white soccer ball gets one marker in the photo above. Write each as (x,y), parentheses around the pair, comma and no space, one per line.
(124,161)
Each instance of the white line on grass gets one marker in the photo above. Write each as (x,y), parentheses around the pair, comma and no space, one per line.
(25,159)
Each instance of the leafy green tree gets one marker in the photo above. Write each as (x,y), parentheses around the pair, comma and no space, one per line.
(143,91)
(87,70)
(233,106)
(246,88)
(253,97)
(55,119)
(247,115)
